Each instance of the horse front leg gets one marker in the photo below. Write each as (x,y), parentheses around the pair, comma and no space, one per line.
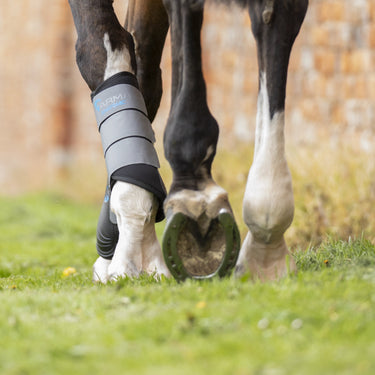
(126,238)
(201,238)
(268,205)
(147,21)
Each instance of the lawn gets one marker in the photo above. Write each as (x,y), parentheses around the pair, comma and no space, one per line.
(53,320)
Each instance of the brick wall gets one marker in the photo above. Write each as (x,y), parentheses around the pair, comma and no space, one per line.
(332,74)
(48,126)
(35,65)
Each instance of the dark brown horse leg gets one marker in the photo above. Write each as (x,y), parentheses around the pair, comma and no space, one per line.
(147,21)
(98,31)
(268,206)
(105,53)
(201,237)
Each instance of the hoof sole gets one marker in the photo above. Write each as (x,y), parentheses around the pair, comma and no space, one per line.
(191,252)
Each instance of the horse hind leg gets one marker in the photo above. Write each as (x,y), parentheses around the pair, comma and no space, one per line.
(268,205)
(201,238)
(104,49)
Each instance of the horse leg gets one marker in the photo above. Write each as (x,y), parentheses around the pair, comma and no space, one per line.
(268,205)
(147,21)
(201,238)
(105,50)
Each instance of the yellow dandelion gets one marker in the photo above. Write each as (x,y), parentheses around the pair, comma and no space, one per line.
(69,271)
(200,305)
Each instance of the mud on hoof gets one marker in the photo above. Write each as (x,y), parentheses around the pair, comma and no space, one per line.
(201,246)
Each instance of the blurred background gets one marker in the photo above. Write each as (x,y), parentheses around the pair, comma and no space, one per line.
(49,138)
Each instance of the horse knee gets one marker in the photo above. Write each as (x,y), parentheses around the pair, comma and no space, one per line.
(98,57)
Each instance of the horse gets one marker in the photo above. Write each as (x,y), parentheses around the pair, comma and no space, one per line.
(121,66)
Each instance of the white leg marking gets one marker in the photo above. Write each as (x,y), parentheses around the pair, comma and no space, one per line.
(132,206)
(117,60)
(100,270)
(152,260)
(138,249)
(211,200)
(268,206)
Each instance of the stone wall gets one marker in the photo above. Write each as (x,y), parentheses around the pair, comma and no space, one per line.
(48,126)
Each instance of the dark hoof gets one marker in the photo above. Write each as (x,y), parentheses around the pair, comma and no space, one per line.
(190,251)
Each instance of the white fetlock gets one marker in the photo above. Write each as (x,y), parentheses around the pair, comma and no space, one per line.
(153,262)
(265,261)
(211,200)
(268,205)
(135,210)
(100,270)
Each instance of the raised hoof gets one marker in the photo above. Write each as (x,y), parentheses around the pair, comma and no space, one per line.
(201,249)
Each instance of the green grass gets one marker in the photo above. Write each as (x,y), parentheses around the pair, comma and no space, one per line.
(321,321)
